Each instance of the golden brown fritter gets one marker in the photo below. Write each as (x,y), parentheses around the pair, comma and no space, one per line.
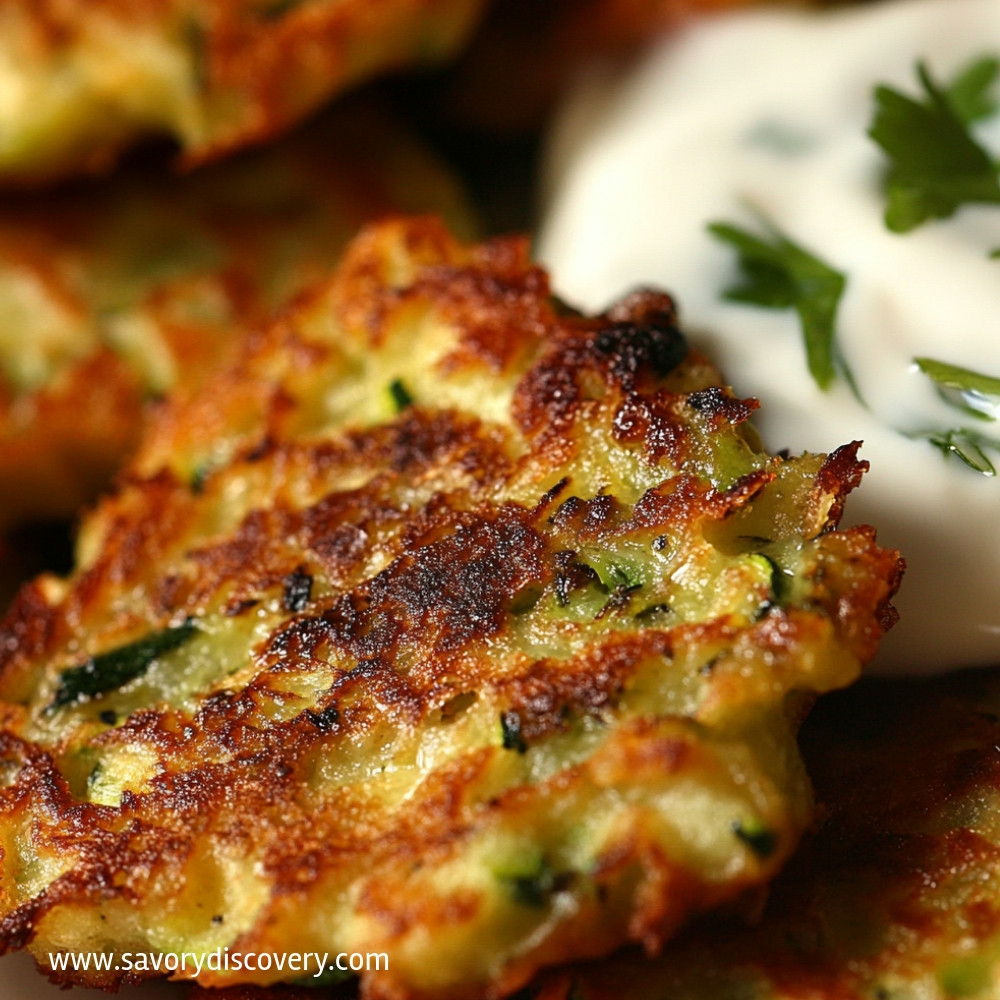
(83,79)
(115,293)
(447,625)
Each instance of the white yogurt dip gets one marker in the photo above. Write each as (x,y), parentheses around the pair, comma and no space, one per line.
(765,114)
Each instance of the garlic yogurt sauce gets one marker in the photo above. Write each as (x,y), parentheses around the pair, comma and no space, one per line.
(764,114)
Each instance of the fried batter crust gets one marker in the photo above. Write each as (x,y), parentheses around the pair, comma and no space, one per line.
(446,624)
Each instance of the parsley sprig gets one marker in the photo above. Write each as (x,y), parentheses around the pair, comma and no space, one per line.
(935,165)
(974,394)
(967,445)
(780,274)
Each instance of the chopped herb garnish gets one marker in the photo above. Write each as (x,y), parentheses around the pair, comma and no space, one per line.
(109,671)
(974,394)
(935,165)
(757,837)
(401,397)
(781,137)
(510,728)
(978,394)
(781,274)
(966,445)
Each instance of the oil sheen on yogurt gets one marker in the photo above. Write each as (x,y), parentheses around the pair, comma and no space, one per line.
(764,114)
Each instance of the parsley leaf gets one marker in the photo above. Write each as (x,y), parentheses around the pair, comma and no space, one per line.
(965,444)
(782,275)
(974,394)
(970,93)
(963,379)
(935,164)
(969,391)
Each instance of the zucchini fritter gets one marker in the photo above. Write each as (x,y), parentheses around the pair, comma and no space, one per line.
(82,79)
(446,624)
(113,294)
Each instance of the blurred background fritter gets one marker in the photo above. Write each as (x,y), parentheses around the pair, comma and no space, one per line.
(83,79)
(113,294)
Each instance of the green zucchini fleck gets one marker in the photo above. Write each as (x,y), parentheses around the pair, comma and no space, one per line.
(510,728)
(967,976)
(198,477)
(400,395)
(109,671)
(618,574)
(532,888)
(756,836)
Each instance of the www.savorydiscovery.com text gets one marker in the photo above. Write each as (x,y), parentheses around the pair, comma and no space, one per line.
(299,963)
